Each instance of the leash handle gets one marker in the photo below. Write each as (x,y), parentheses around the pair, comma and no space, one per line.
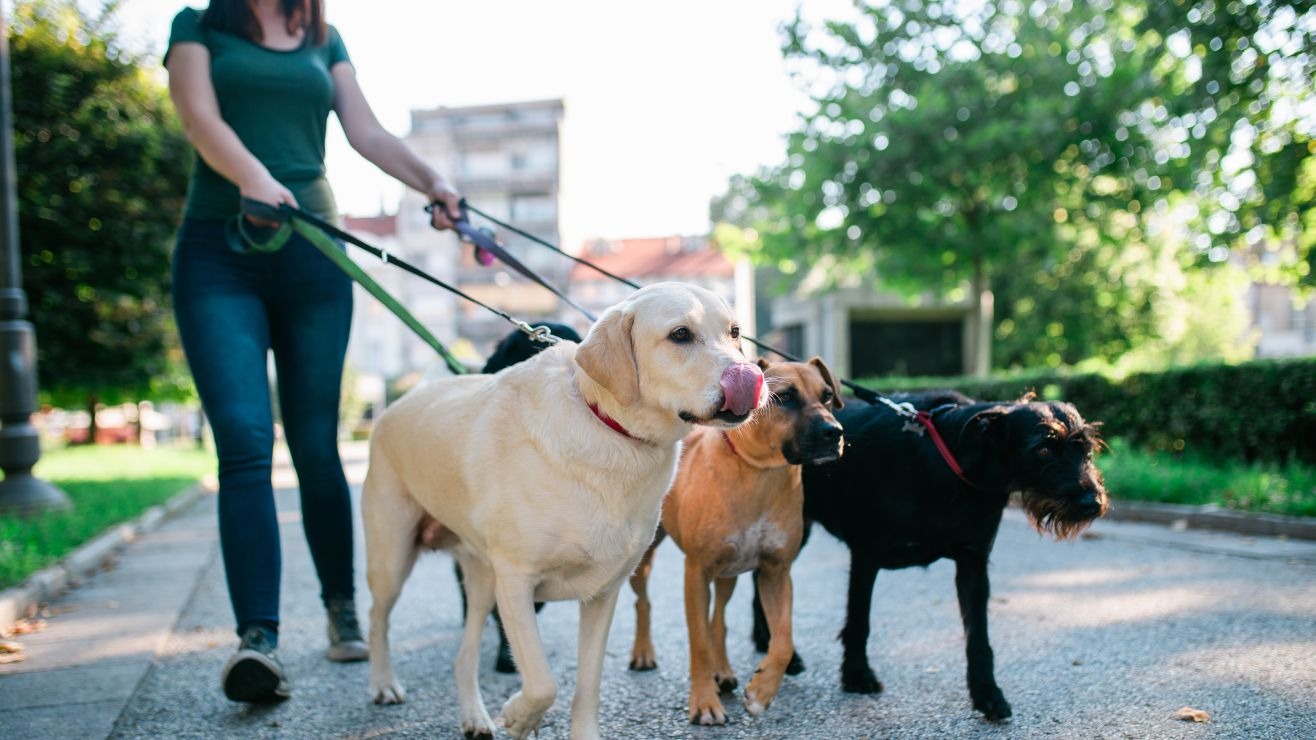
(483,239)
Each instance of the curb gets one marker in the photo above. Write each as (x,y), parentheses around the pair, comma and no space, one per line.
(48,583)
(1210,516)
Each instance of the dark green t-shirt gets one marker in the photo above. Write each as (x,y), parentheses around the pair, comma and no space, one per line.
(278,103)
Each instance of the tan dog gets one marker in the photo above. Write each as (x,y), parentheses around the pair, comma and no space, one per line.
(737,506)
(545,481)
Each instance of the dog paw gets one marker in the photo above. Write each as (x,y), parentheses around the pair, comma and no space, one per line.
(762,689)
(726,682)
(860,681)
(642,659)
(387,691)
(796,666)
(707,710)
(991,702)
(521,716)
(476,724)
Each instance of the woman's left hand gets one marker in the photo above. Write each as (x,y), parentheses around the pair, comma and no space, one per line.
(450,201)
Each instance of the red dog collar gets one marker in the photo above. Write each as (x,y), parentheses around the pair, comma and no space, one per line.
(612,423)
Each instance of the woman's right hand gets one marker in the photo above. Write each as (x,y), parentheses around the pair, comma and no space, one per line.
(266,189)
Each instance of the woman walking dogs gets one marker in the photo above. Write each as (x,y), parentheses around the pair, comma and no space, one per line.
(254,82)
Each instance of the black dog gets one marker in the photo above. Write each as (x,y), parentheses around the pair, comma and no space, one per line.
(513,348)
(895,501)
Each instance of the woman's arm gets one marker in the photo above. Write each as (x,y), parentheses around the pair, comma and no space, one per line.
(386,151)
(194,98)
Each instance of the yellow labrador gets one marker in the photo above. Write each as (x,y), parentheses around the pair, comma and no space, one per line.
(545,482)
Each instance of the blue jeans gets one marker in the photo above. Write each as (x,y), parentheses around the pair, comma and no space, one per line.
(232,310)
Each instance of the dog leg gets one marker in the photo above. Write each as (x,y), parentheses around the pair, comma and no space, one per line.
(705,706)
(478,590)
(974,589)
(762,635)
(722,671)
(642,653)
(390,517)
(523,713)
(856,675)
(595,620)
(775,585)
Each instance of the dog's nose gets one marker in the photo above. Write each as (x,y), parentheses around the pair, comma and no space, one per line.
(832,433)
(1090,503)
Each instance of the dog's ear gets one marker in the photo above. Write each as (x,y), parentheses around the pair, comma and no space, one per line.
(764,364)
(829,379)
(608,356)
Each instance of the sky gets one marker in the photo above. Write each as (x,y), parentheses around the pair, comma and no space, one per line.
(664,101)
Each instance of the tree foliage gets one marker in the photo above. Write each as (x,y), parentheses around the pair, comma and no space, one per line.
(1036,148)
(102,170)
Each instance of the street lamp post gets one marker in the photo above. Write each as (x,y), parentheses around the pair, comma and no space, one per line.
(20,448)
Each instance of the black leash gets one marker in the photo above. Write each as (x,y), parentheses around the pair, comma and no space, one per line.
(863,393)
(483,239)
(288,218)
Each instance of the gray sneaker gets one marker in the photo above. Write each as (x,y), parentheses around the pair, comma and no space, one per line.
(254,673)
(346,645)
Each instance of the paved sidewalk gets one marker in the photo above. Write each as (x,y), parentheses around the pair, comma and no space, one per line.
(102,638)
(1103,637)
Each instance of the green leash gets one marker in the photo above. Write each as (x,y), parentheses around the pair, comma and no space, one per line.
(244,237)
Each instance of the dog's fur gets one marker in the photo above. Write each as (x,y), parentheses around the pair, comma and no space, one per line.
(894,501)
(516,347)
(737,506)
(536,496)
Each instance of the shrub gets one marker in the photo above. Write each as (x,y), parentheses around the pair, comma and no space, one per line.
(1259,410)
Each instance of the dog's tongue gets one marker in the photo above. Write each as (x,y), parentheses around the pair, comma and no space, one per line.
(741,384)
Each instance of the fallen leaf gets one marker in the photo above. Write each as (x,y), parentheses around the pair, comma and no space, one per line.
(28,626)
(11,652)
(1188,714)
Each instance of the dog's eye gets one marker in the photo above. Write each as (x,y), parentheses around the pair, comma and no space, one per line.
(785,397)
(680,335)
(735,332)
(827,395)
(1044,452)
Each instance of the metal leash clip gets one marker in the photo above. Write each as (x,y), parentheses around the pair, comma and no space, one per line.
(541,334)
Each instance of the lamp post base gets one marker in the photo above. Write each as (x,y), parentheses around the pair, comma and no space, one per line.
(25,494)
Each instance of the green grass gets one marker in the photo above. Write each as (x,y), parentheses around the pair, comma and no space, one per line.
(1136,475)
(108,485)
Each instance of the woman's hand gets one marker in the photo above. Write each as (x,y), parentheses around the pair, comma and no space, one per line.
(449,200)
(265,189)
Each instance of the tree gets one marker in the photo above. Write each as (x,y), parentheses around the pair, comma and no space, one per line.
(1240,109)
(102,171)
(1006,147)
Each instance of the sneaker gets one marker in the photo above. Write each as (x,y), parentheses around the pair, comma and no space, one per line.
(346,644)
(254,673)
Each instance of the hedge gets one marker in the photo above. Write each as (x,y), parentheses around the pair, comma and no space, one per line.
(1259,410)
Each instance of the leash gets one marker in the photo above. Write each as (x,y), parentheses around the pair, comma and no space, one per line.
(485,242)
(863,393)
(924,419)
(243,237)
(916,421)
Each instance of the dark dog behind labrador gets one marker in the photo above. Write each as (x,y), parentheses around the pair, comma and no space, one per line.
(894,501)
(513,348)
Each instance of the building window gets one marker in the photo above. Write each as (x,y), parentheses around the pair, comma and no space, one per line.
(792,339)
(909,348)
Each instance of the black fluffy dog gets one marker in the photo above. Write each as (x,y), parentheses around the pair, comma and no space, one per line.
(896,503)
(513,348)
